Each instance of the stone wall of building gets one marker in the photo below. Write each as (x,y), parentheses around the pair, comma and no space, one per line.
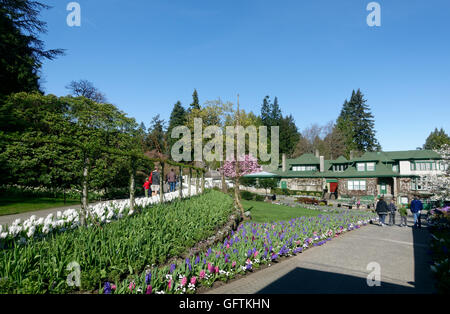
(405,186)
(371,188)
(304,184)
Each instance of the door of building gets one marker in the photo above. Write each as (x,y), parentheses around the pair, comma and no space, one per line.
(333,187)
(383,188)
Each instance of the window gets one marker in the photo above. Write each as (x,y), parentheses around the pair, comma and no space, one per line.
(304,168)
(395,168)
(339,168)
(424,165)
(356,185)
(363,166)
(418,185)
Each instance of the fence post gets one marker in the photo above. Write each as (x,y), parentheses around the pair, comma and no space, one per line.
(197,185)
(203,182)
(189,181)
(84,199)
(132,191)
(181,182)
(161,183)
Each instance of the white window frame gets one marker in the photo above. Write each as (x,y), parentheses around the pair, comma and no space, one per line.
(357,185)
(372,166)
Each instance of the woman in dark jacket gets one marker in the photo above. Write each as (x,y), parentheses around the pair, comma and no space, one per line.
(382,210)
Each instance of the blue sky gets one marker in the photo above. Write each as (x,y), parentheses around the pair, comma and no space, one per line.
(147,54)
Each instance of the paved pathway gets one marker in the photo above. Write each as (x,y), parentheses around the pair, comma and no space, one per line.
(340,266)
(8,219)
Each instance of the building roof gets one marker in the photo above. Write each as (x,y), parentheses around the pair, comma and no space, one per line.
(382,166)
(340,160)
(305,159)
(413,154)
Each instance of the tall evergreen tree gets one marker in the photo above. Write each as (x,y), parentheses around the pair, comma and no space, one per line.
(357,124)
(156,137)
(177,118)
(195,103)
(289,135)
(436,139)
(266,111)
(21,51)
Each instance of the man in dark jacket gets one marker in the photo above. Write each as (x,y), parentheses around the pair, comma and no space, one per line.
(392,210)
(416,207)
(155,181)
(382,210)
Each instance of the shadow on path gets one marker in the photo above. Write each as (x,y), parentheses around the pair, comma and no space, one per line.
(303,280)
(423,277)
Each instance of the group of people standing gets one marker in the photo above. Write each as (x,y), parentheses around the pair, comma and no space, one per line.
(383,209)
(152,183)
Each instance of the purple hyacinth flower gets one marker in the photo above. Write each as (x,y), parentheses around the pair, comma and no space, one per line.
(148,278)
(172,268)
(197,260)
(107,288)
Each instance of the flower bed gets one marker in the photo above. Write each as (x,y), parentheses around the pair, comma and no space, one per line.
(439,225)
(112,251)
(251,246)
(99,214)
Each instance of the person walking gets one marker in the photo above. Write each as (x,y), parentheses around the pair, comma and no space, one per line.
(171,178)
(382,210)
(416,207)
(403,216)
(392,210)
(155,181)
(146,186)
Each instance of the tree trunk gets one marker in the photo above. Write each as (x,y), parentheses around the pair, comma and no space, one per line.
(189,181)
(161,184)
(132,184)
(224,183)
(197,185)
(203,182)
(84,199)
(237,198)
(181,183)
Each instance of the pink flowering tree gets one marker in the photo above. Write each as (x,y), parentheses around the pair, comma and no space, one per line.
(438,183)
(246,164)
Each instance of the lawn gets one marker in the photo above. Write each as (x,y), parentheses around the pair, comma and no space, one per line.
(17,205)
(267,212)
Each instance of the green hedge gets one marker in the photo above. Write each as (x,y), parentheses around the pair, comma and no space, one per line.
(112,251)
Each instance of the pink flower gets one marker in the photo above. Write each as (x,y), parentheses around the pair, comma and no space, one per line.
(184,281)
(233,264)
(170,284)
(149,289)
(256,254)
(210,268)
(202,274)
(217,269)
(131,286)
(113,287)
(193,280)
(228,245)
